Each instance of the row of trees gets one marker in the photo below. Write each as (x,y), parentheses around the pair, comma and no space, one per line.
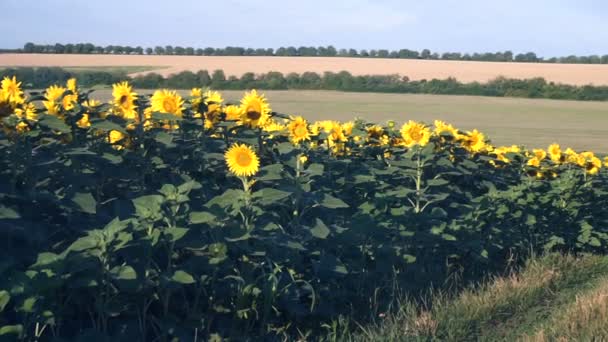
(329,51)
(342,81)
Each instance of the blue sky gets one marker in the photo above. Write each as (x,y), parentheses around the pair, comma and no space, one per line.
(548,27)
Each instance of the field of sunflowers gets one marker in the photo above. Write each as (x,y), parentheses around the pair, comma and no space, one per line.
(162,218)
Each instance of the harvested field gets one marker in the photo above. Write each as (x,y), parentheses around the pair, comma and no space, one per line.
(575,74)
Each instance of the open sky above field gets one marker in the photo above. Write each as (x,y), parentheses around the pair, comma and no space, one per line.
(507,121)
(548,27)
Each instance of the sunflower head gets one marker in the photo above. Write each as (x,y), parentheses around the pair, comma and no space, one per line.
(594,164)
(255,110)
(12,90)
(27,112)
(242,161)
(474,141)
(233,113)
(539,154)
(336,132)
(167,101)
(71,85)
(442,128)
(298,130)
(414,133)
(347,127)
(534,162)
(68,102)
(84,121)
(375,132)
(123,100)
(555,153)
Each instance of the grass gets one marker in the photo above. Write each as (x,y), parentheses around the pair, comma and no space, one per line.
(531,122)
(553,298)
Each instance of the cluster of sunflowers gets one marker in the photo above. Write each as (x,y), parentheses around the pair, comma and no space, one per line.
(254,112)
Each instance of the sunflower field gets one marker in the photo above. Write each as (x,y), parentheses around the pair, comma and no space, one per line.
(163,218)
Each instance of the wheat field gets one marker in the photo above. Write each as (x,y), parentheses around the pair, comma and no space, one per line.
(575,74)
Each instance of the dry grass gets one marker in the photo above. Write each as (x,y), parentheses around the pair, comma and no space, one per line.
(586,317)
(577,74)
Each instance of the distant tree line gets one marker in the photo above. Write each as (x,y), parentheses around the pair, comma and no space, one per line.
(328,51)
(342,81)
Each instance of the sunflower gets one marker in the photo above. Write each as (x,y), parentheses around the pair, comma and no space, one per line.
(213,102)
(27,112)
(52,95)
(255,109)
(196,92)
(535,162)
(347,127)
(605,161)
(123,100)
(84,121)
(12,90)
(414,133)
(22,127)
(115,137)
(594,165)
(555,153)
(166,101)
(336,133)
(242,160)
(539,153)
(273,126)
(571,156)
(375,132)
(71,85)
(474,141)
(298,130)
(233,113)
(68,102)
(441,128)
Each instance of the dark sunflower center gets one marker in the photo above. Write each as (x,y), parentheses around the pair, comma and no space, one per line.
(253,115)
(123,100)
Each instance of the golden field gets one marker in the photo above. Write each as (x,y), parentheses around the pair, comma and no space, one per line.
(575,74)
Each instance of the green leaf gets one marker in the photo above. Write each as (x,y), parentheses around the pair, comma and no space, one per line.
(5,297)
(320,230)
(107,126)
(124,272)
(54,123)
(182,277)
(164,138)
(8,213)
(46,259)
(176,233)
(11,330)
(269,196)
(199,217)
(28,305)
(84,243)
(271,172)
(315,169)
(331,202)
(410,259)
(165,117)
(85,202)
(437,182)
